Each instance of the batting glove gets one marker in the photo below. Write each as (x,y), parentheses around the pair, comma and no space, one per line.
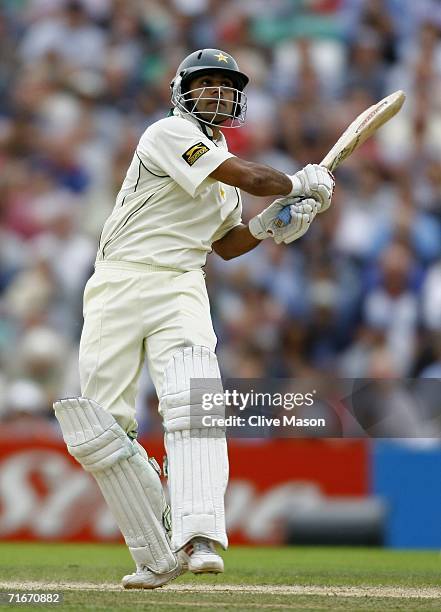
(314,181)
(285,220)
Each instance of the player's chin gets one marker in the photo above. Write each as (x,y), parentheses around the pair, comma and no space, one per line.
(214,118)
(221,120)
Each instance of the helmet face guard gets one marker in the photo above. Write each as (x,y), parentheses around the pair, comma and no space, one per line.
(188,102)
(207,61)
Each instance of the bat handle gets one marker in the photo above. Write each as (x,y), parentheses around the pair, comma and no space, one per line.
(284,216)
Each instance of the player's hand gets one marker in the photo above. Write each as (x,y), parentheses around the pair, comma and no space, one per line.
(285,220)
(302,215)
(314,181)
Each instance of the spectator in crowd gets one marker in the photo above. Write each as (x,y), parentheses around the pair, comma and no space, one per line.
(26,412)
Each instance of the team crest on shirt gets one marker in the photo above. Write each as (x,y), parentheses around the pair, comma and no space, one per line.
(192,154)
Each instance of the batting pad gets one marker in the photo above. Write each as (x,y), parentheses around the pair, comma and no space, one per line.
(197,455)
(130,485)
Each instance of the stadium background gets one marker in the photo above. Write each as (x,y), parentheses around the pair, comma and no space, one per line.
(359,296)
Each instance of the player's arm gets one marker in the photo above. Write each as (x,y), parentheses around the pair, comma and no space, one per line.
(313,181)
(305,193)
(256,179)
(241,238)
(237,241)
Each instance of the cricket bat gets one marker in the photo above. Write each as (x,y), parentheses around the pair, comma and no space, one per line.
(356,134)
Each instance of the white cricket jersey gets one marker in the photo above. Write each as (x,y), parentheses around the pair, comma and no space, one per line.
(169,211)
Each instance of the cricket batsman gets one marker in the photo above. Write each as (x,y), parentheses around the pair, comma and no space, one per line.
(147,302)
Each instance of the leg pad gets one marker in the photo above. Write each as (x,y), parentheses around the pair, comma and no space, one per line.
(129,483)
(197,455)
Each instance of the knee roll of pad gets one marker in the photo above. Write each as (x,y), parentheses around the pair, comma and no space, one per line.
(191,374)
(92,435)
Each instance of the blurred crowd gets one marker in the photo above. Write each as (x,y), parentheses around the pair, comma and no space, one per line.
(358,296)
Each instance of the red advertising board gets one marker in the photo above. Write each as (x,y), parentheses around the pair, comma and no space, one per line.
(45,494)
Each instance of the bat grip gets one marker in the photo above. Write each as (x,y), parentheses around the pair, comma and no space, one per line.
(284,216)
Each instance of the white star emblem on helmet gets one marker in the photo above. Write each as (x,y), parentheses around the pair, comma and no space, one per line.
(221,57)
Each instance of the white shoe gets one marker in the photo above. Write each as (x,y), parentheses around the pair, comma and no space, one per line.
(144,578)
(200,557)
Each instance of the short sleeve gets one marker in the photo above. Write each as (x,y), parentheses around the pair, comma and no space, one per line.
(179,149)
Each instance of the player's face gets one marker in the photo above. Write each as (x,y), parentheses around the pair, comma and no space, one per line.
(214,93)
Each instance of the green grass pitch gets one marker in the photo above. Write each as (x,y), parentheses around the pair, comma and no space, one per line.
(287,578)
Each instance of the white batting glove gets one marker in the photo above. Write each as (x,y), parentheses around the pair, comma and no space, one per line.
(314,181)
(302,215)
(285,220)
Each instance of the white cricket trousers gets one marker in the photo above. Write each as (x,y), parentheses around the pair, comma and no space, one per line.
(135,313)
